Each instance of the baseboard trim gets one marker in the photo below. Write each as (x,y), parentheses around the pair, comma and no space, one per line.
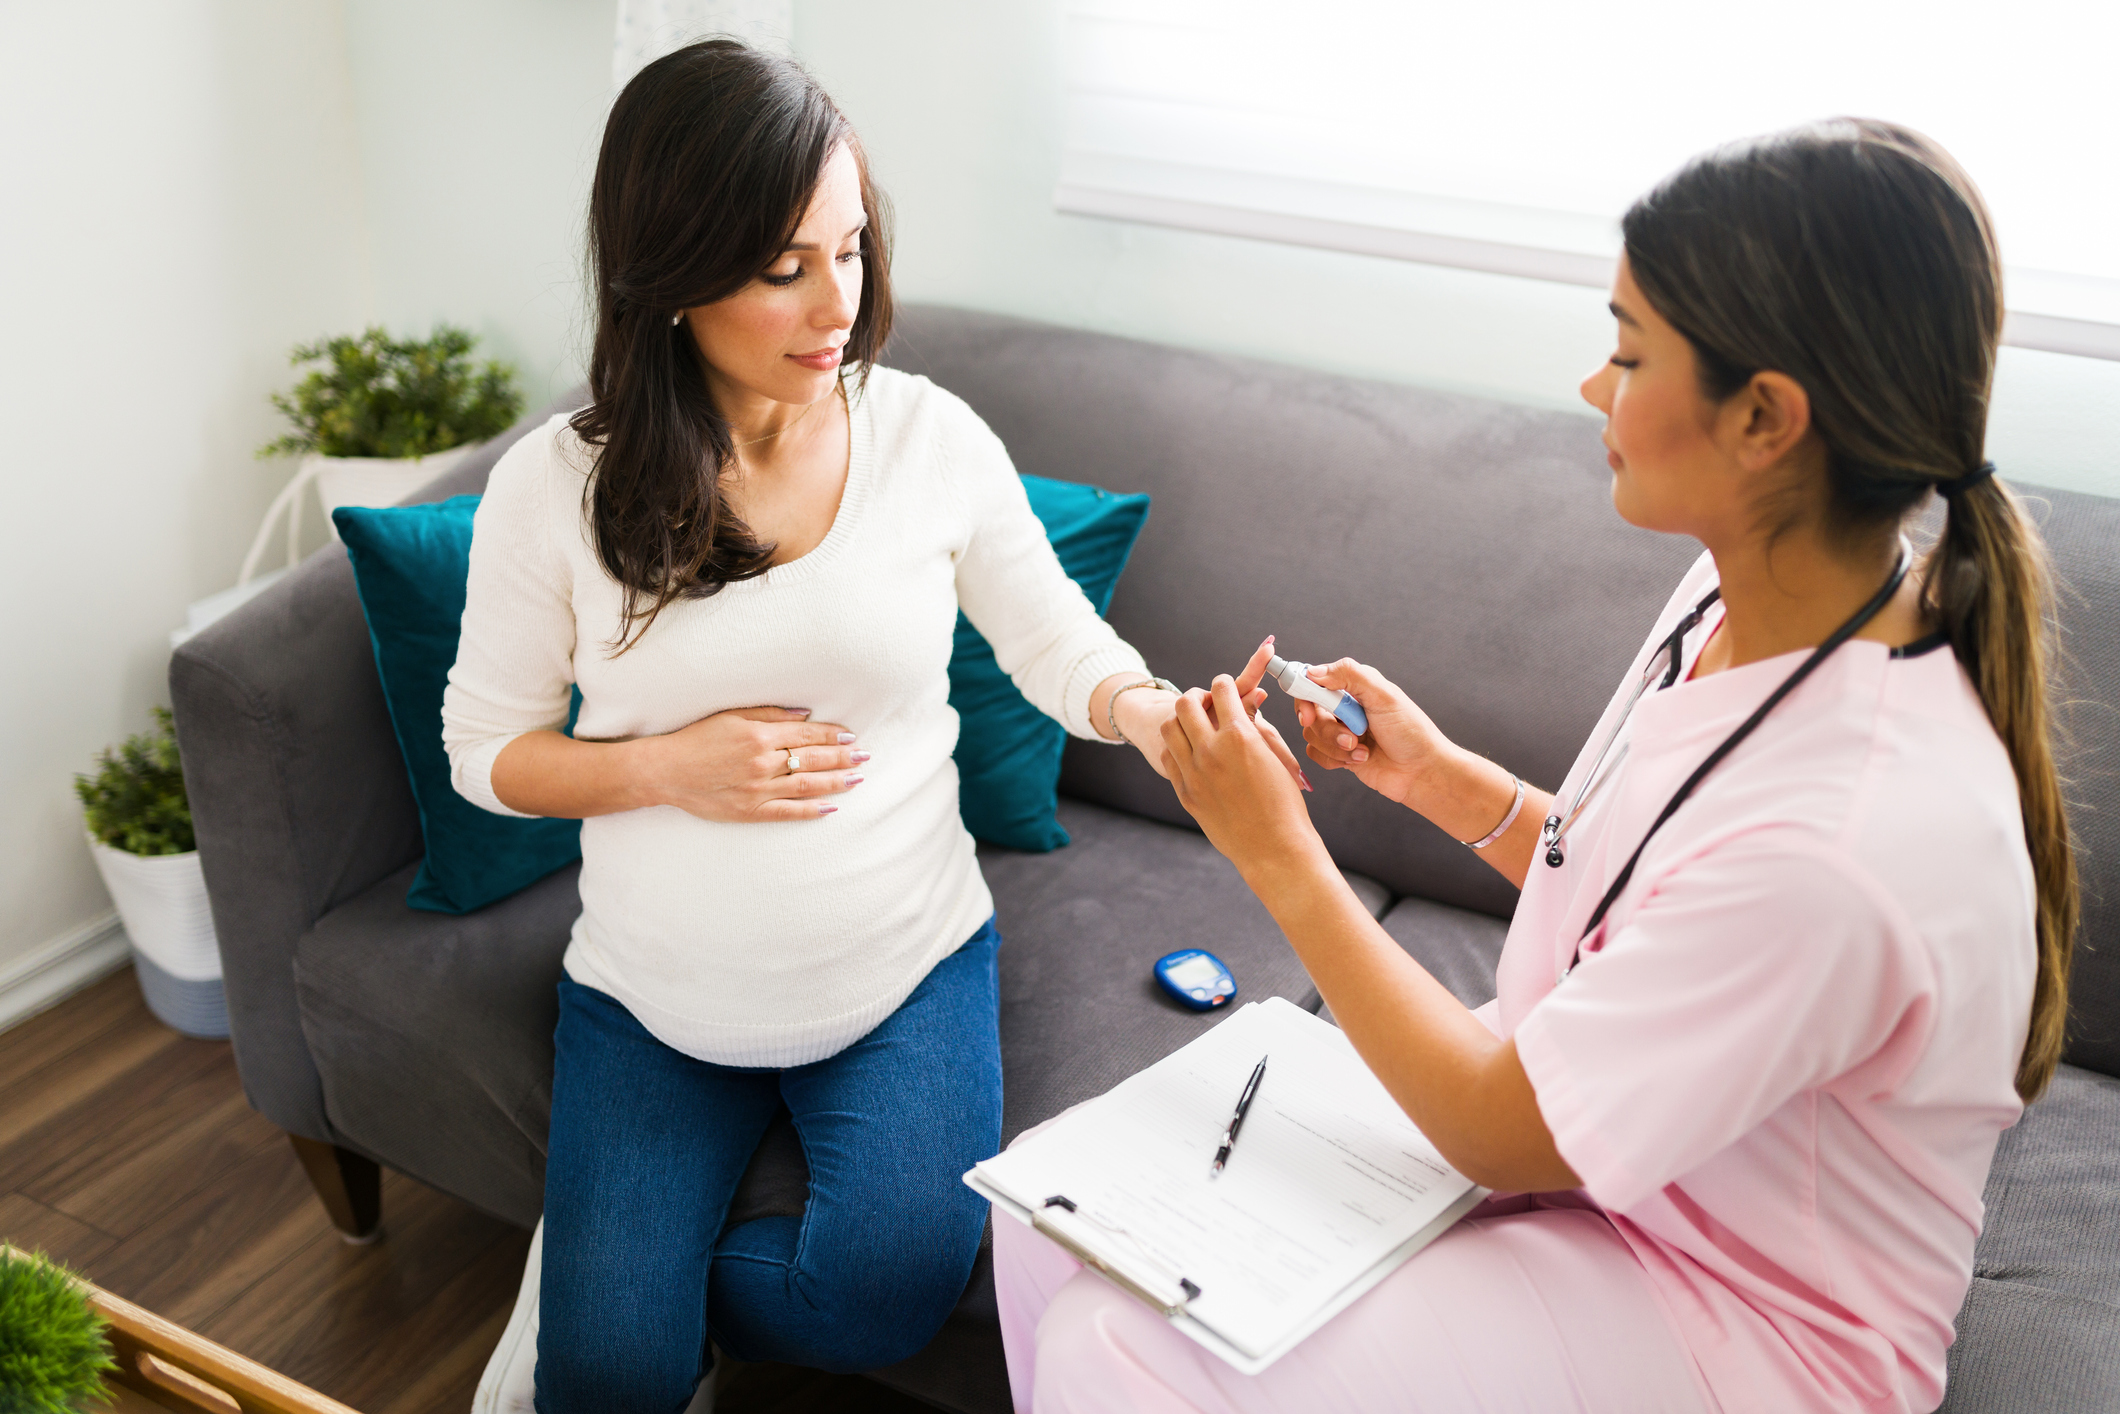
(62,967)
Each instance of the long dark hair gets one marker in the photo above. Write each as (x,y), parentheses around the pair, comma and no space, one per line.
(1857,258)
(708,165)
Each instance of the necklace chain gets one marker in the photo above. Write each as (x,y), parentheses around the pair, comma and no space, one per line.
(737,446)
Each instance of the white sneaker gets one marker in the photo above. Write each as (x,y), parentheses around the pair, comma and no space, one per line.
(509,1385)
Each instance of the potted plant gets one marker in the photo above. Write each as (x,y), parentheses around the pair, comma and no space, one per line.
(139,830)
(53,1353)
(381,418)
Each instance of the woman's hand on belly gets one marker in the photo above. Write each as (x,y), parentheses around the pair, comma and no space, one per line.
(756,763)
(749,764)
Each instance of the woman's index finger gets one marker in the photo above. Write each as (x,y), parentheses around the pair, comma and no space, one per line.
(1255,667)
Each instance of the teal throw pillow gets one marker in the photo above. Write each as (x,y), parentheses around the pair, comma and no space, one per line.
(410,564)
(1008,752)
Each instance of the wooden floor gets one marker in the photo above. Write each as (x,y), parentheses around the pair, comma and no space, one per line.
(128,1153)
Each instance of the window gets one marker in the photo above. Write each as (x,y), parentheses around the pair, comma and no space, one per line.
(1510,136)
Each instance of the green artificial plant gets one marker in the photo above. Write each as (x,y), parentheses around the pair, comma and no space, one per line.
(135,801)
(53,1353)
(382,397)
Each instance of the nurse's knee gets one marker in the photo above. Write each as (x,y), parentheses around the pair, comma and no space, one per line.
(1084,1334)
(867,1322)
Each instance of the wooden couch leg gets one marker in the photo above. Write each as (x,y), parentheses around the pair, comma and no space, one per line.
(350,1187)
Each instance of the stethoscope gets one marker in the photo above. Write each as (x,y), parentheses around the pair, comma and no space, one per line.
(1665,663)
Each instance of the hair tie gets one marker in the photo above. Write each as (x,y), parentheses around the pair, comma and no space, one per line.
(1952,490)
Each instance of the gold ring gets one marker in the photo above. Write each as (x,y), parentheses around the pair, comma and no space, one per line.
(794,761)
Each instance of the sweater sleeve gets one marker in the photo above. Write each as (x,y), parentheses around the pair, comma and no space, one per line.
(1045,633)
(514,668)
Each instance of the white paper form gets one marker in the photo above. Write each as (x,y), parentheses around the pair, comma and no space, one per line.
(1328,1188)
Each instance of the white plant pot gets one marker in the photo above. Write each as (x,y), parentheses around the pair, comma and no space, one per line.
(375,481)
(161,900)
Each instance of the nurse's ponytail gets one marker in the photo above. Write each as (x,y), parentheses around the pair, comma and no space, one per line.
(1858,259)
(1988,582)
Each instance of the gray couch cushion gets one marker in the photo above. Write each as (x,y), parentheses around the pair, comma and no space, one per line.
(2024,1350)
(1460,947)
(433,1034)
(2084,535)
(1081,928)
(2053,1196)
(2040,1330)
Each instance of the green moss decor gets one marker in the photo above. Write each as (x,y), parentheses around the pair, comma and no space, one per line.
(53,1354)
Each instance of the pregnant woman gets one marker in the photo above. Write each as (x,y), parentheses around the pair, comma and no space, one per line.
(1794,935)
(748,553)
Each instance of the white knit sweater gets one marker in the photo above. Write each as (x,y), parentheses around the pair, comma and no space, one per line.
(778,944)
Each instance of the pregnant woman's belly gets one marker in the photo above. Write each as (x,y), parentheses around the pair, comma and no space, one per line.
(777,944)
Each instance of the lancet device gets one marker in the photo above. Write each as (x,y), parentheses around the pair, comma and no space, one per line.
(1294,679)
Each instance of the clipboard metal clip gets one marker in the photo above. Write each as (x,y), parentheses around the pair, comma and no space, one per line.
(1131,1285)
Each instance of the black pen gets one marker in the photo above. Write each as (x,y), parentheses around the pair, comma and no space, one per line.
(1236,1121)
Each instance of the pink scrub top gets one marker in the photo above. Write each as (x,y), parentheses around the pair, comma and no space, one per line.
(1783,1062)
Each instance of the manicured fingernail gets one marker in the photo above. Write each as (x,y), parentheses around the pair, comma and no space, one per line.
(846,738)
(1361,755)
(796,711)
(860,756)
(853,781)
(1304,779)
(827,809)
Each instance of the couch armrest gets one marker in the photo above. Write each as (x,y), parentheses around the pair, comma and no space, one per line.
(299,797)
(297,788)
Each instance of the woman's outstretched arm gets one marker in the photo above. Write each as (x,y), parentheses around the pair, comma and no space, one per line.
(1465,1088)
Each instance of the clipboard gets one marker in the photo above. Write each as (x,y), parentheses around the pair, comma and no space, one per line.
(1159,1299)
(1330,1144)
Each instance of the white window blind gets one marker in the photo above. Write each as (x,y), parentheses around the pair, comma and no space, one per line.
(1511,136)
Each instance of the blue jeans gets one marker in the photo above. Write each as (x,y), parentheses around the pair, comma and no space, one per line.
(648,1144)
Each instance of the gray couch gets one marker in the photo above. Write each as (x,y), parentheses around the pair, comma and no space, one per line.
(1465,546)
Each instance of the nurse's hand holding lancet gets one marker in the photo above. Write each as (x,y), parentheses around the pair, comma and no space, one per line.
(1401,757)
(1406,758)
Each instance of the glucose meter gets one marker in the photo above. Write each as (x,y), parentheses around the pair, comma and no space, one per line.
(1196,979)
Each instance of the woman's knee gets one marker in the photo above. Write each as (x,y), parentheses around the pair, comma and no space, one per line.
(853,1307)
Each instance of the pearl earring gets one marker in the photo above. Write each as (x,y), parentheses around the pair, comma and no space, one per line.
(677,319)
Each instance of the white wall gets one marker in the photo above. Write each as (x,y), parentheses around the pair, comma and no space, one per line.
(478,123)
(181,206)
(959,104)
(192,188)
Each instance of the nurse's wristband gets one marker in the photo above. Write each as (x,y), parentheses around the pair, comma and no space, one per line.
(1516,808)
(1111,703)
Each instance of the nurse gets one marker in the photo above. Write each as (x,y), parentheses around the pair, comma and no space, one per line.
(1794,935)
